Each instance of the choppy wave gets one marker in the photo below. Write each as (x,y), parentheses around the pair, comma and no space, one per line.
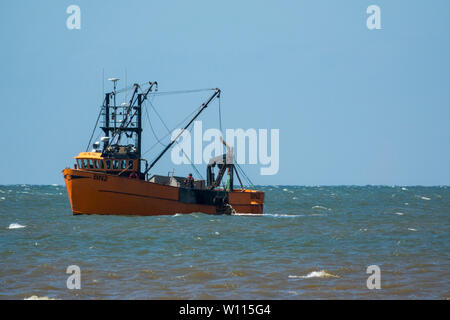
(15,226)
(39,298)
(315,274)
(320,208)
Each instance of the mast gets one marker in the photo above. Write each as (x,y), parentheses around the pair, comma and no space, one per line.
(114,80)
(106,128)
(139,129)
(130,122)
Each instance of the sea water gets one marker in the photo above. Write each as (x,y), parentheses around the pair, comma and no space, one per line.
(311,243)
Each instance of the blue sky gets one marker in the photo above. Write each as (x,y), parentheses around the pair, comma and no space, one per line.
(353,106)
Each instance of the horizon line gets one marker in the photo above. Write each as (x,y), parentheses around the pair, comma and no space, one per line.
(275,185)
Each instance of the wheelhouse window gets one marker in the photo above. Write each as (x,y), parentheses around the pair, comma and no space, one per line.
(85,164)
(115,164)
(123,164)
(80,163)
(108,164)
(91,164)
(102,164)
(130,164)
(96,164)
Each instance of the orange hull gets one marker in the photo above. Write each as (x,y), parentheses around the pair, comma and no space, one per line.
(100,193)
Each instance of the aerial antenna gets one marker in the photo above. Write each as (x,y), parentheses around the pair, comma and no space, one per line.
(126,83)
(114,80)
(103,82)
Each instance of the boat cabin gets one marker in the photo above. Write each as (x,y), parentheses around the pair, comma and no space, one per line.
(94,161)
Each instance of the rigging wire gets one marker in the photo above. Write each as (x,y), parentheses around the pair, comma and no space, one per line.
(220,114)
(93,131)
(151,128)
(243,172)
(129,88)
(249,182)
(161,93)
(169,132)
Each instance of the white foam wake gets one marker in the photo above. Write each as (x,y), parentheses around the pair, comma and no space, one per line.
(15,226)
(320,208)
(273,215)
(315,274)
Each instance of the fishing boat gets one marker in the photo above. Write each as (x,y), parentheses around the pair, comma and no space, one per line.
(113,178)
